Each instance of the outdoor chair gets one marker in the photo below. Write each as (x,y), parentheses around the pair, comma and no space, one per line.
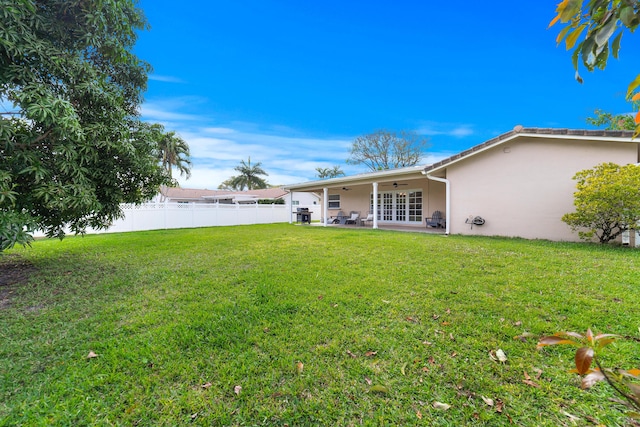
(369,218)
(436,220)
(354,218)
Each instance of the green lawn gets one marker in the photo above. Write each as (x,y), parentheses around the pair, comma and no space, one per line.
(208,326)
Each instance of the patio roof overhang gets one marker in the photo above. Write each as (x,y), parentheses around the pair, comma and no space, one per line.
(359,179)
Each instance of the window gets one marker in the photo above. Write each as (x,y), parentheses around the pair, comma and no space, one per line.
(295,202)
(334,201)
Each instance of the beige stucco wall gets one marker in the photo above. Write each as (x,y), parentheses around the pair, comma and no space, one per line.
(523,187)
(358,197)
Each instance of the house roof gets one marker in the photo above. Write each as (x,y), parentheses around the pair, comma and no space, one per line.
(362,177)
(520,131)
(198,194)
(517,132)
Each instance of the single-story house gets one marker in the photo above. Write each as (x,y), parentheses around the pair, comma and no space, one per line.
(518,184)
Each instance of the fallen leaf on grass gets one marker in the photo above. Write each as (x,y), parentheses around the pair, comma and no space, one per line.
(379,389)
(487,400)
(91,355)
(402,368)
(435,316)
(527,380)
(237,389)
(386,302)
(371,353)
(299,367)
(320,297)
(206,386)
(454,354)
(518,323)
(411,319)
(573,418)
(499,406)
(591,378)
(440,405)
(419,415)
(498,356)
(368,381)
(351,354)
(524,336)
(427,342)
(432,360)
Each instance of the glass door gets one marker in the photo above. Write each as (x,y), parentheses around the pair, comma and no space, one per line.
(399,206)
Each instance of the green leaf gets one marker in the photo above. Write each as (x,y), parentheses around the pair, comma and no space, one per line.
(603,35)
(633,85)
(615,46)
(379,389)
(572,8)
(627,16)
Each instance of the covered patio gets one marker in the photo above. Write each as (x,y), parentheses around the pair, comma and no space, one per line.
(398,199)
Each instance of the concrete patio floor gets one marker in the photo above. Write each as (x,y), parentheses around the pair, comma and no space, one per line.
(389,227)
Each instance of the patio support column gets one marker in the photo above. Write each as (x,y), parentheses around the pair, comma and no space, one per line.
(290,206)
(447,201)
(325,205)
(375,205)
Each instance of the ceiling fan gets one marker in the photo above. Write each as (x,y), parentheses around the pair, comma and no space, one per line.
(394,185)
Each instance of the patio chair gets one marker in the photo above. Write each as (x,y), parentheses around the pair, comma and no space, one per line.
(436,220)
(354,218)
(369,218)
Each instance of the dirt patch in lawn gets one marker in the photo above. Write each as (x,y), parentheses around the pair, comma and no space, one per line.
(13,271)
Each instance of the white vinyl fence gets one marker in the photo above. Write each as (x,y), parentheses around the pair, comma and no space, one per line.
(161,215)
(156,216)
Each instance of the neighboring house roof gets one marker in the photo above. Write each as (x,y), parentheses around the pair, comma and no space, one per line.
(177,193)
(520,131)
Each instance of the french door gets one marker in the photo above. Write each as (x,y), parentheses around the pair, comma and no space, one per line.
(399,206)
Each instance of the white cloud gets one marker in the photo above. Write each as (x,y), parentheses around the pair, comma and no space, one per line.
(449,129)
(166,79)
(287,155)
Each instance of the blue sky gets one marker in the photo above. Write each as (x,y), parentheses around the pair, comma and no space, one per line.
(292,83)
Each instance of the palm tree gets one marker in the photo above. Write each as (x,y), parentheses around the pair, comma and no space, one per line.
(174,152)
(329,172)
(249,176)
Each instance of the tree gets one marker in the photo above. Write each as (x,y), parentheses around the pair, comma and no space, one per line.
(607,201)
(602,19)
(70,151)
(611,122)
(249,177)
(174,153)
(229,184)
(384,149)
(324,173)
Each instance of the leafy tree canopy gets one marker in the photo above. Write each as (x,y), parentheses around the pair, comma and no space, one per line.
(384,149)
(71,145)
(612,122)
(607,201)
(605,21)
(325,173)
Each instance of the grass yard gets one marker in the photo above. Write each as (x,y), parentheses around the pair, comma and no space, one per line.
(283,325)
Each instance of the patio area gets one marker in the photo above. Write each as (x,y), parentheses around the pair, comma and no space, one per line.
(389,227)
